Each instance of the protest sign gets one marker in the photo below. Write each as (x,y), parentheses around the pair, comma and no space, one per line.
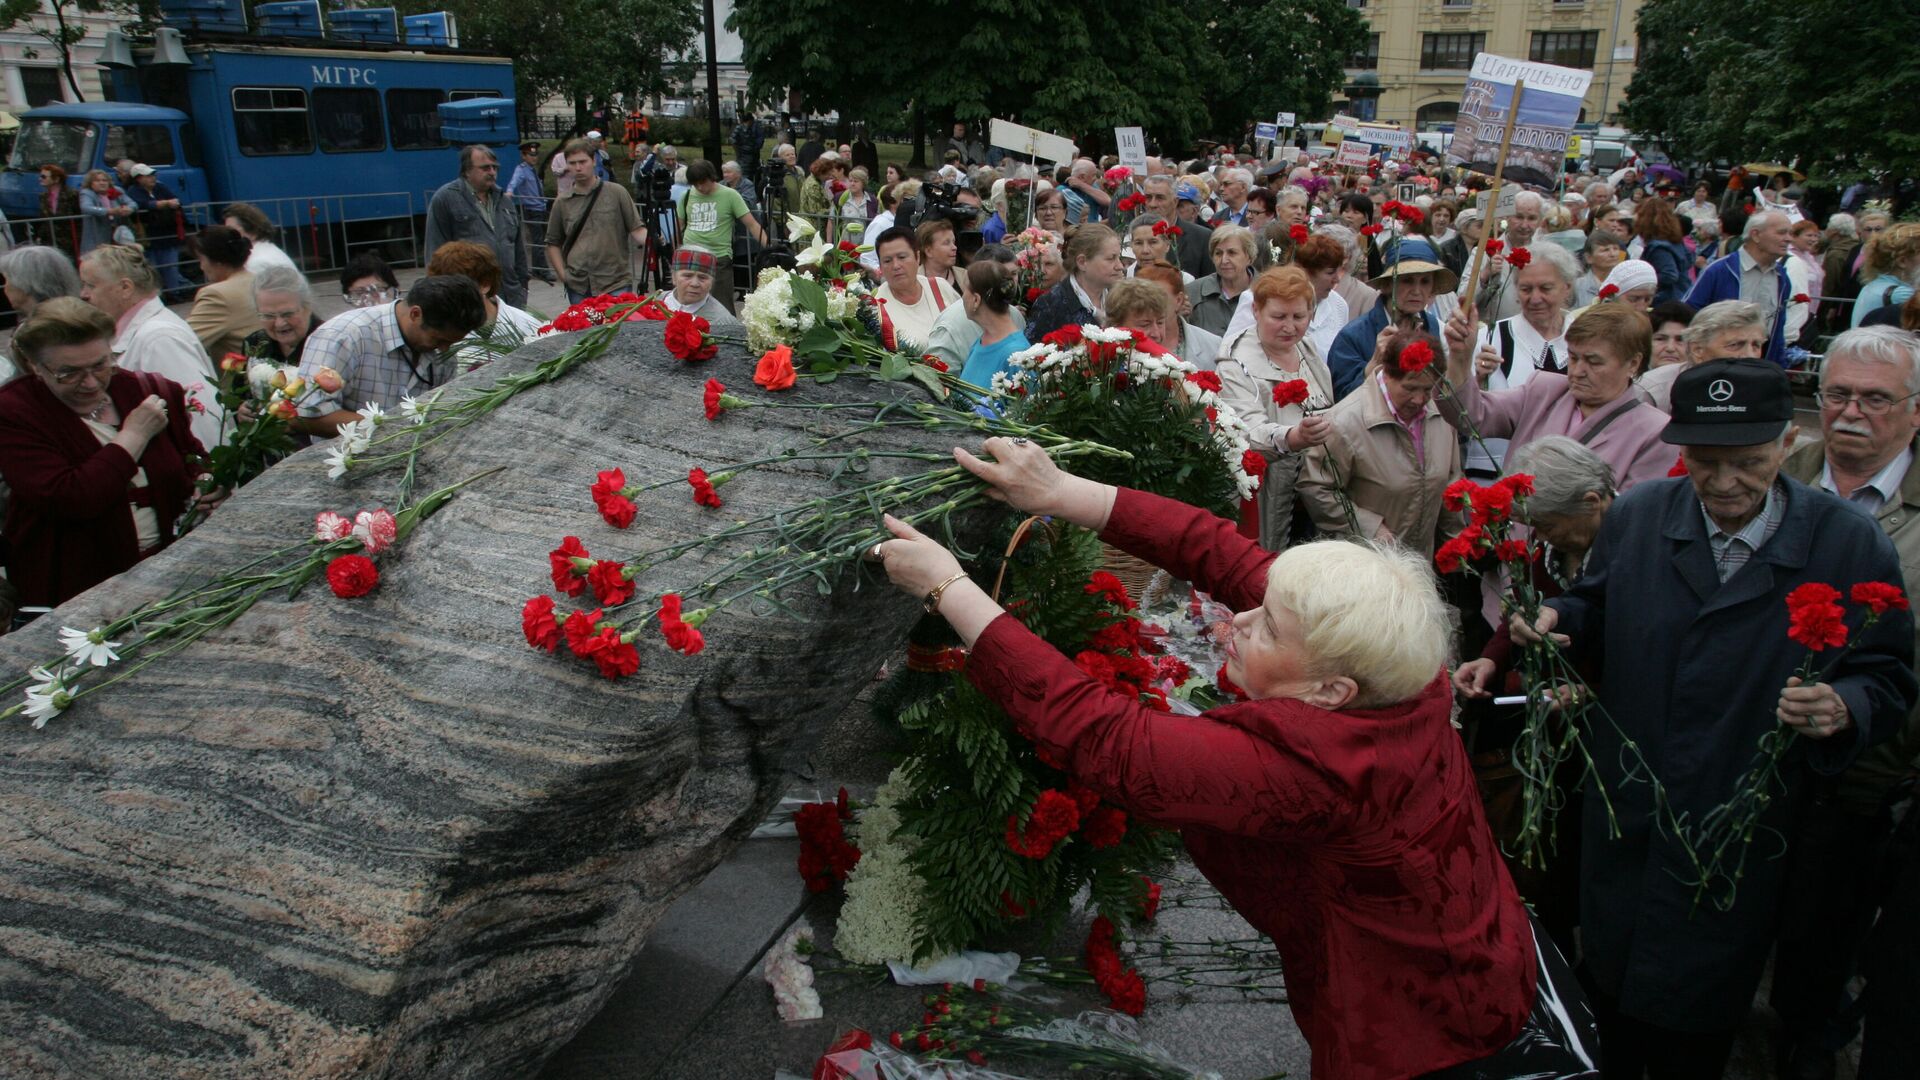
(1039,145)
(1132,146)
(1266,131)
(1542,126)
(1284,120)
(1400,142)
(1354,154)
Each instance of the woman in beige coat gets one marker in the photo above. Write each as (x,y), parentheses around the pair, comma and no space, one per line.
(223,313)
(1390,454)
(1256,368)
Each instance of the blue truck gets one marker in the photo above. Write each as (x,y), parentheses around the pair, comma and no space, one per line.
(340,136)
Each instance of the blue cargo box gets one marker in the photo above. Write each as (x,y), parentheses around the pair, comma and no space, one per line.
(487,121)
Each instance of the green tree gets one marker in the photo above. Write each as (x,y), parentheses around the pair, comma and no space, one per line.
(1279,56)
(1777,80)
(586,49)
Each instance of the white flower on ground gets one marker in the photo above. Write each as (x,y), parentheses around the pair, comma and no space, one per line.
(785,970)
(46,682)
(44,707)
(414,409)
(372,415)
(356,435)
(89,646)
(339,460)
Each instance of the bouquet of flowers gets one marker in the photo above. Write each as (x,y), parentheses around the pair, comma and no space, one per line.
(1121,389)
(824,261)
(272,395)
(1031,249)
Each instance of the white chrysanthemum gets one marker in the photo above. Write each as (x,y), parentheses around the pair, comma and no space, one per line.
(260,378)
(89,646)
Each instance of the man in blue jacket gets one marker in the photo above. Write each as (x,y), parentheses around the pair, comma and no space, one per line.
(1411,277)
(1757,273)
(1683,600)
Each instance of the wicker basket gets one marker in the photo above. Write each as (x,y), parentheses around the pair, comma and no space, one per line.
(1144,581)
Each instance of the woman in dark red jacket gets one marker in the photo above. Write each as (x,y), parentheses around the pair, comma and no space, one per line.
(1335,810)
(95,458)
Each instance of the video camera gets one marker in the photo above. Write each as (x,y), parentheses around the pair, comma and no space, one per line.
(773,176)
(940,202)
(654,188)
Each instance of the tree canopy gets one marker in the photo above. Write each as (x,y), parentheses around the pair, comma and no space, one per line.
(1077,67)
(1828,85)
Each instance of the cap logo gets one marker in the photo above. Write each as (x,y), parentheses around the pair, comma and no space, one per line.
(1720,390)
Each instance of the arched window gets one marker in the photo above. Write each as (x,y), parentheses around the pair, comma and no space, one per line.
(1440,112)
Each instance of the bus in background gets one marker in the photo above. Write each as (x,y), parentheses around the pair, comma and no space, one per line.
(339,125)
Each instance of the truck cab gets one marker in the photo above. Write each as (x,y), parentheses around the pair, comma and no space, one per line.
(93,135)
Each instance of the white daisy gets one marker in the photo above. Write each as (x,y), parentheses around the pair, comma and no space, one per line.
(46,682)
(339,460)
(89,646)
(44,707)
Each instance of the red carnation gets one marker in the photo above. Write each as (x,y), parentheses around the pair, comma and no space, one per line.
(1291,392)
(935,363)
(682,637)
(609,581)
(703,492)
(1253,463)
(616,659)
(1513,551)
(1166,228)
(1112,588)
(618,511)
(1054,815)
(711,398)
(1679,466)
(1494,247)
(579,629)
(653,310)
(569,577)
(1520,484)
(687,339)
(352,575)
(1416,357)
(1298,233)
(1519,257)
(1879,596)
(1798,298)
(1608,292)
(536,621)
(1066,337)
(1150,906)
(1369,230)
(1105,827)
(1035,294)
(1127,992)
(1492,505)
(1815,619)
(1458,494)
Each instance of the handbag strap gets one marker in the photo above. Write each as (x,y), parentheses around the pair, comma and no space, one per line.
(573,230)
(1592,433)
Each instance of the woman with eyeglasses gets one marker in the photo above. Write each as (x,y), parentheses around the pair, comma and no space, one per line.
(367,281)
(98,460)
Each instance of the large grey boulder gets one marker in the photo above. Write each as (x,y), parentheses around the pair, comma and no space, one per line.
(383,837)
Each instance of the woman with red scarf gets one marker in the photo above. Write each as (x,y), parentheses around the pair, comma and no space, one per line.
(1335,808)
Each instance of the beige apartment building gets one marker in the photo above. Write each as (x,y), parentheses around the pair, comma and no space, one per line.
(1419,52)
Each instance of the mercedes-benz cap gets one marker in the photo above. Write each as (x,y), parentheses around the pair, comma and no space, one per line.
(1729,403)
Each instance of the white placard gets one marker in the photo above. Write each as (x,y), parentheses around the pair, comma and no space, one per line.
(1391,138)
(1132,144)
(1284,120)
(1041,145)
(1509,198)
(1353,154)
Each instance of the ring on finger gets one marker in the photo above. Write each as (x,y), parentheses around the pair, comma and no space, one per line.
(875,553)
(1020,442)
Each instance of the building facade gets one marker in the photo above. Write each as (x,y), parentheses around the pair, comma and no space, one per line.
(1415,65)
(30,74)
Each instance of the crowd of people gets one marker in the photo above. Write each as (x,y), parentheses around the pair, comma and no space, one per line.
(1386,339)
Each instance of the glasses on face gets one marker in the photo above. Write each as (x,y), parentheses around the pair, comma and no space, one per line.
(101,370)
(1872,404)
(281,316)
(367,295)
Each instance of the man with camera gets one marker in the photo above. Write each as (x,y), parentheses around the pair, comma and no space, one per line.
(707,212)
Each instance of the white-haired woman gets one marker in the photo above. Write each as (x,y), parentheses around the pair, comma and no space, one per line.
(32,275)
(284,301)
(1335,808)
(1508,353)
(1216,296)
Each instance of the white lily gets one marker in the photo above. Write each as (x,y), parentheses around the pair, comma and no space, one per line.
(89,646)
(799,228)
(813,252)
(44,707)
(339,460)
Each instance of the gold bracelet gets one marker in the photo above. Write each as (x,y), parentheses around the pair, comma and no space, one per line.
(933,598)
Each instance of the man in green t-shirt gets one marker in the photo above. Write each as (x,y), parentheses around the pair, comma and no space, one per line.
(707,213)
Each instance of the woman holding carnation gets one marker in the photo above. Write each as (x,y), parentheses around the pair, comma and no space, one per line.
(1594,402)
(1272,375)
(98,459)
(1389,454)
(1335,809)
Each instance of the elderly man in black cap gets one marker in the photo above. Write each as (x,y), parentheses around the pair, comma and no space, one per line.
(1683,600)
